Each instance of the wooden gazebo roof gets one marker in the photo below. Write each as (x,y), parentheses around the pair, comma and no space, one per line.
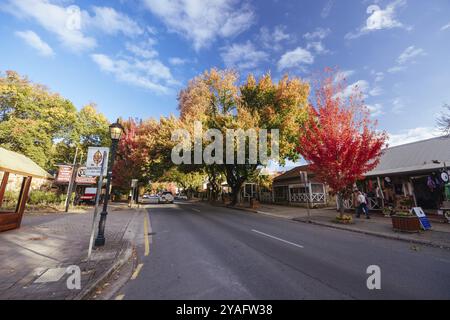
(17,163)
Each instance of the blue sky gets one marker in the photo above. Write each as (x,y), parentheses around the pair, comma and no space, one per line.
(132,57)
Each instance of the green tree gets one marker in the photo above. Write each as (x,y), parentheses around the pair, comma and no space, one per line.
(217,100)
(32,118)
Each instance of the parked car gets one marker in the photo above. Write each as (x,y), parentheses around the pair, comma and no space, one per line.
(181,197)
(166,197)
(149,198)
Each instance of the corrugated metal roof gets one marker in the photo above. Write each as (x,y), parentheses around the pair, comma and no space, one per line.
(19,164)
(414,157)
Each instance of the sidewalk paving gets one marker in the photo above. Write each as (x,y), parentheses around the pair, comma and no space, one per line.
(378,225)
(36,256)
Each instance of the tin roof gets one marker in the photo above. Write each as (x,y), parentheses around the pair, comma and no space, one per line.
(19,164)
(414,157)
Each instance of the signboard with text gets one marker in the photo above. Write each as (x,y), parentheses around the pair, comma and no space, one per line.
(95,158)
(82,178)
(64,174)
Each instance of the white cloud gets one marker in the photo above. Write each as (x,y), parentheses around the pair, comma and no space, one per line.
(317,46)
(376,91)
(397,106)
(379,76)
(143,50)
(57,19)
(319,33)
(406,57)
(360,86)
(242,56)
(34,41)
(112,22)
(375,110)
(272,39)
(295,58)
(70,24)
(315,40)
(396,69)
(343,75)
(380,19)
(202,22)
(409,54)
(176,61)
(412,135)
(447,26)
(148,74)
(327,9)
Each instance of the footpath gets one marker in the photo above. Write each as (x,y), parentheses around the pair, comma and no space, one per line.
(38,259)
(378,225)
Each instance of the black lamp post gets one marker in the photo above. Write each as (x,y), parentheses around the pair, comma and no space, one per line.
(115,131)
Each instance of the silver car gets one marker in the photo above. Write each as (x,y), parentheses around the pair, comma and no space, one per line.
(149,198)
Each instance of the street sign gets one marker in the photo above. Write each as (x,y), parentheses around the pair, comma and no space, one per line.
(426,225)
(64,174)
(134,183)
(82,178)
(94,161)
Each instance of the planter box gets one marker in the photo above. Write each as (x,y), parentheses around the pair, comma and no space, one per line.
(405,224)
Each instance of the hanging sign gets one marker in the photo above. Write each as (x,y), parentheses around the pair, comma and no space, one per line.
(94,161)
(424,222)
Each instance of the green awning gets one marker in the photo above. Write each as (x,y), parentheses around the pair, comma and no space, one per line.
(17,163)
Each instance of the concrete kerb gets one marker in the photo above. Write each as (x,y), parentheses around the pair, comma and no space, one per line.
(122,258)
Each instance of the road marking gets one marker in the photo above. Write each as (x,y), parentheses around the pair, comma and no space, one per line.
(196,210)
(276,238)
(146,240)
(120,297)
(136,272)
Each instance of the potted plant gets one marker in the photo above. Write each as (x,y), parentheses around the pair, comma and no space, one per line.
(345,219)
(405,221)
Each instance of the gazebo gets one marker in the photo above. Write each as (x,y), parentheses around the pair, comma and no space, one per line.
(18,164)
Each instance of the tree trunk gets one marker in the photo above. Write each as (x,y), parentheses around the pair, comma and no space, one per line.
(341,204)
(235,194)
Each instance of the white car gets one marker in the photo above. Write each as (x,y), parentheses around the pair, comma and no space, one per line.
(166,197)
(147,198)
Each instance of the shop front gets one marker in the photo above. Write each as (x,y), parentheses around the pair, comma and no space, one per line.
(414,173)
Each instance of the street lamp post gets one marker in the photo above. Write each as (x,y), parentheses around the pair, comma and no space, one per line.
(115,131)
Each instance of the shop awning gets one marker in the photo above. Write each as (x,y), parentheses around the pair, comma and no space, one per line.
(17,163)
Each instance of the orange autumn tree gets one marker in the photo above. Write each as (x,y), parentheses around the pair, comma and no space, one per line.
(339,139)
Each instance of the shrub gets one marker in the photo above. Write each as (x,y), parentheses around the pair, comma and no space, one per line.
(38,197)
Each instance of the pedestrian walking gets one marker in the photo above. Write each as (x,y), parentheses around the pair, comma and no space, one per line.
(362,205)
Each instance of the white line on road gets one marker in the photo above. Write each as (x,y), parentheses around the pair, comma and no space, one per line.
(276,238)
(196,210)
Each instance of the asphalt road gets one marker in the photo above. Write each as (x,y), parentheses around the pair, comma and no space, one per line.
(203,252)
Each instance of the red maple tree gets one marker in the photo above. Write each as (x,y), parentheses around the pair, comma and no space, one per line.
(339,139)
